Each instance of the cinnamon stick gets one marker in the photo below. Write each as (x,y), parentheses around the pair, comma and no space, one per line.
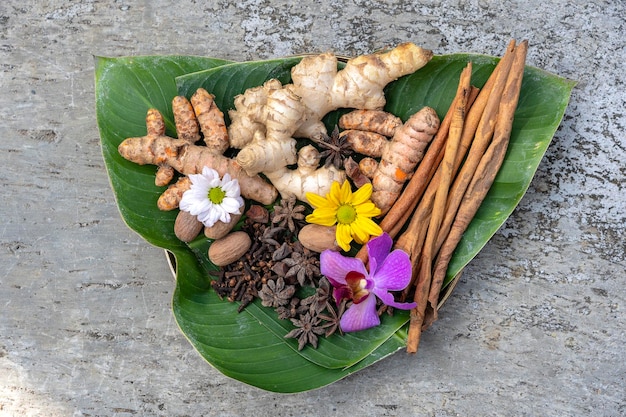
(486,171)
(412,239)
(445,177)
(475,115)
(477,133)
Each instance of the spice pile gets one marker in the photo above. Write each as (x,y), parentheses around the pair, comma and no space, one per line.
(404,192)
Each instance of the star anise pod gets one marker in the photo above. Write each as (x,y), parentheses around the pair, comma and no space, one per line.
(332,319)
(317,302)
(290,310)
(306,331)
(335,148)
(288,214)
(303,267)
(276,293)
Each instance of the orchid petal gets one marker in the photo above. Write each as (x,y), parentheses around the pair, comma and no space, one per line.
(360,316)
(340,293)
(394,273)
(387,299)
(378,248)
(335,266)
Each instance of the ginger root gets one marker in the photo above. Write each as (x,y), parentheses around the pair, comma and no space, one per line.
(307,177)
(184,156)
(266,119)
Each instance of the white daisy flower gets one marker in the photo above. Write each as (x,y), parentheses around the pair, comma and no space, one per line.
(212,199)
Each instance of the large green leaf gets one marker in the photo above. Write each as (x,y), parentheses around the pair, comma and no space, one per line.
(250,346)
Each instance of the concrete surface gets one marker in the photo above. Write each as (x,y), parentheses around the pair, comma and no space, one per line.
(535,327)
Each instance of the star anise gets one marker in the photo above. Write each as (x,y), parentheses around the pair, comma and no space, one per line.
(290,310)
(302,266)
(318,301)
(332,319)
(288,214)
(335,148)
(274,293)
(306,331)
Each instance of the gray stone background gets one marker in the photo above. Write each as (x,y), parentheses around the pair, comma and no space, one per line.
(535,327)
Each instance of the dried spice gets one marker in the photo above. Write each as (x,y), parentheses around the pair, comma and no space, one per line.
(306,331)
(333,318)
(289,214)
(276,293)
(303,266)
(335,148)
(279,271)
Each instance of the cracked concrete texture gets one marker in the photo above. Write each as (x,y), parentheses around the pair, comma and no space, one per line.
(535,327)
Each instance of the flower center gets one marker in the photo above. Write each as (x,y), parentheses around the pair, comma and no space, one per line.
(357,285)
(346,214)
(216,195)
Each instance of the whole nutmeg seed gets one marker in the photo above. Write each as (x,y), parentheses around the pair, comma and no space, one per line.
(318,238)
(187,226)
(221,229)
(229,248)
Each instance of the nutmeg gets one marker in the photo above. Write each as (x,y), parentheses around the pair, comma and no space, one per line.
(318,238)
(187,226)
(221,229)
(229,248)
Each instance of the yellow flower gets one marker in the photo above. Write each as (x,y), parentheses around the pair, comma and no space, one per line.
(351,212)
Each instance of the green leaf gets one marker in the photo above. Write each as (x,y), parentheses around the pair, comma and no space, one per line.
(250,346)
(125,89)
(239,347)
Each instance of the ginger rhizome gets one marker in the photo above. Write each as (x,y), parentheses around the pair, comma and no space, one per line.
(398,156)
(184,156)
(267,119)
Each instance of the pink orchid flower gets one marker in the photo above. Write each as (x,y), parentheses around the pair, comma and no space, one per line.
(351,280)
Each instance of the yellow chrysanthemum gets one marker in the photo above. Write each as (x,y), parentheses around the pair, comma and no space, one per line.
(351,212)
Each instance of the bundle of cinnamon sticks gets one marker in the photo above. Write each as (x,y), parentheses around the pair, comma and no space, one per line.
(445,192)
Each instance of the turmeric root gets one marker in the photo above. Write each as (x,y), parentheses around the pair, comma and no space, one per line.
(169,199)
(184,156)
(398,156)
(366,142)
(266,119)
(378,121)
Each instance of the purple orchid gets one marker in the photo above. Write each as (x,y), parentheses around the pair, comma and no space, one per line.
(351,280)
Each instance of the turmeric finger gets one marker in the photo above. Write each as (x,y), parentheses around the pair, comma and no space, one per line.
(377,121)
(170,198)
(402,155)
(366,143)
(154,123)
(211,120)
(186,124)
